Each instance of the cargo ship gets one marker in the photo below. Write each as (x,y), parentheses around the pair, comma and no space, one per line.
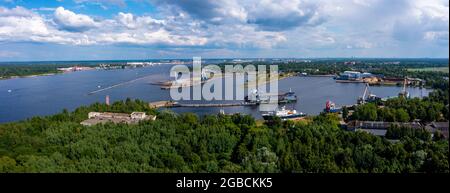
(288,97)
(283,114)
(256,96)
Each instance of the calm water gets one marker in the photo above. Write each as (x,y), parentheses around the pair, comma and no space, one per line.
(46,95)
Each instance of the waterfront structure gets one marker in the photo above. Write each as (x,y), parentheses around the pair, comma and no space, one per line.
(139,64)
(349,75)
(373,80)
(75,68)
(354,77)
(105,117)
(161,104)
(288,97)
(441,127)
(256,96)
(379,128)
(368,96)
(404,93)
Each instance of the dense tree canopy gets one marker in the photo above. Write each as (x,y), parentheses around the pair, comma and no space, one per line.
(214,143)
(431,108)
(393,68)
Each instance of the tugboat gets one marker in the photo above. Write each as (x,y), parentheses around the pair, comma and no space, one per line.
(330,107)
(284,114)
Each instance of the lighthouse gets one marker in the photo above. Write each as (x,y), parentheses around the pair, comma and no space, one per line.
(107,100)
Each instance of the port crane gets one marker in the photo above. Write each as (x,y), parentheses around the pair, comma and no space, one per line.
(367,96)
(404,93)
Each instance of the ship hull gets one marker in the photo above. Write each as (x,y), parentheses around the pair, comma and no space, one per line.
(288,117)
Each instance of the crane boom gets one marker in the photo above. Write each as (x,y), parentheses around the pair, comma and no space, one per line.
(365,91)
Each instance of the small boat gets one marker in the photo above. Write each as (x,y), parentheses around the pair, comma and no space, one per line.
(284,114)
(330,107)
(9,90)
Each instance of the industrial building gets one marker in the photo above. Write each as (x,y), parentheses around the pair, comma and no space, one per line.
(105,117)
(379,128)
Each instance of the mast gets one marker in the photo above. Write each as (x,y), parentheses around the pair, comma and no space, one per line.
(404,93)
(404,86)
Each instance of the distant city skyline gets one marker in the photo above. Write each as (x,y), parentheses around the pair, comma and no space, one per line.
(65,30)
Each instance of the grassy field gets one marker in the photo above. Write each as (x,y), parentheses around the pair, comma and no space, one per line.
(435,69)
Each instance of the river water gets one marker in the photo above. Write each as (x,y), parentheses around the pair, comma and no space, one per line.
(22,98)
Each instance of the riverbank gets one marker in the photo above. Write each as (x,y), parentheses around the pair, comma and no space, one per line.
(42,96)
(268,79)
(65,145)
(319,75)
(29,76)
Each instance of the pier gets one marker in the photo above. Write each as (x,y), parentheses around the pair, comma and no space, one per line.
(172,104)
(217,105)
(116,85)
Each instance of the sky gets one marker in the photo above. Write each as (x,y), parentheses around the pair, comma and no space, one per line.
(53,30)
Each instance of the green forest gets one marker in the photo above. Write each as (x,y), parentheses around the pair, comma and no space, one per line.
(393,68)
(431,108)
(213,143)
(7,71)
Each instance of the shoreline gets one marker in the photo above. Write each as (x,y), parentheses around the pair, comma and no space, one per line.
(319,75)
(30,76)
(268,80)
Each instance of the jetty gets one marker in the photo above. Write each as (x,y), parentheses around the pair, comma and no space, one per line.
(217,104)
(116,85)
(172,104)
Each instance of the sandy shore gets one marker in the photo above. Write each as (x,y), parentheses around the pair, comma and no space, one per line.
(28,76)
(257,82)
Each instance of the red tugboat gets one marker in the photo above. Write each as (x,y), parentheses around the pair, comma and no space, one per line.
(330,107)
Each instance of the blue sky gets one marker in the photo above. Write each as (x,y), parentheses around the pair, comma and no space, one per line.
(143,29)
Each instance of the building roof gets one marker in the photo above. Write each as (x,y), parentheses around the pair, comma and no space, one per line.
(438,126)
(382,125)
(376,132)
(441,125)
(135,117)
(138,113)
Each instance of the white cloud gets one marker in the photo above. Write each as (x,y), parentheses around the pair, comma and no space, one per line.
(244,36)
(70,21)
(425,20)
(132,22)
(44,9)
(316,27)
(15,12)
(21,23)
(284,15)
(103,2)
(271,15)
